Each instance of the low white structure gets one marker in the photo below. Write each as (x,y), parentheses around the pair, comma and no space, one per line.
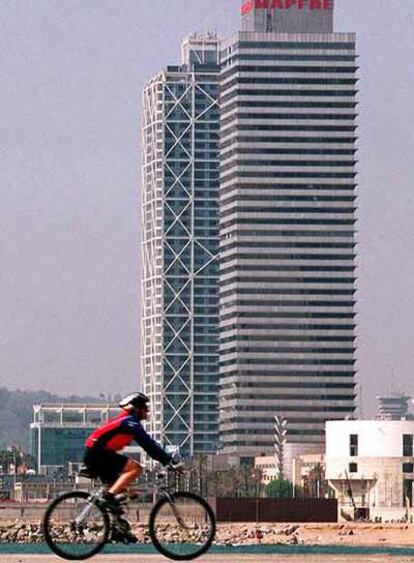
(269,467)
(298,460)
(370,464)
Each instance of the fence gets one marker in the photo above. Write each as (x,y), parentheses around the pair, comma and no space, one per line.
(274,510)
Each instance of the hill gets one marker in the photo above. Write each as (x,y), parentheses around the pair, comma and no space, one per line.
(16,413)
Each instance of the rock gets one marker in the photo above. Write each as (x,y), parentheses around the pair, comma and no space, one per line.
(289,530)
(346,532)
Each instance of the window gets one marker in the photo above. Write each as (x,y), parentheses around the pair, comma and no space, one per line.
(353,468)
(407,445)
(353,445)
(305,46)
(408,468)
(408,492)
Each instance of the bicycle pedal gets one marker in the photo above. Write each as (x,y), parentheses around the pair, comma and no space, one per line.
(120,537)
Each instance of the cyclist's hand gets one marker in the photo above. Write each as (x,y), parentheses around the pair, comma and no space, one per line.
(176,467)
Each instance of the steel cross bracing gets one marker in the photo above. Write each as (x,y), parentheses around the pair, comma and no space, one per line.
(169,378)
(152,220)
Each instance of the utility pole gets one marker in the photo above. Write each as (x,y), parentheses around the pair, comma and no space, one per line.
(281,427)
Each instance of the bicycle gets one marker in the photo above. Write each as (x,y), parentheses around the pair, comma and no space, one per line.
(77,525)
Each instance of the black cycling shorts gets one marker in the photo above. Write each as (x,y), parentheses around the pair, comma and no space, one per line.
(105,464)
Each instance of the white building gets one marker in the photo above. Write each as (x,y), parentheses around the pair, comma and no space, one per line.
(373,459)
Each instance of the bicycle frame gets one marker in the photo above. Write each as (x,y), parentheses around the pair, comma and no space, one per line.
(159,486)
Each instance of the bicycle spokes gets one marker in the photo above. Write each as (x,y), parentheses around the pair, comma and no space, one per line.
(182,527)
(76,527)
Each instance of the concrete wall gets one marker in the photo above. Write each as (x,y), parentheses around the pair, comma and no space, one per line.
(379,476)
(377,438)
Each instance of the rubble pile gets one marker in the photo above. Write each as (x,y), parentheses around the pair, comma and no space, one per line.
(21,532)
(247,534)
(234,534)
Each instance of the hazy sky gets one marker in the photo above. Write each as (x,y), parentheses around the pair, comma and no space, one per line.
(71,72)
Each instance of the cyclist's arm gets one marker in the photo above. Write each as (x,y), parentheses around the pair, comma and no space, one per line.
(143,439)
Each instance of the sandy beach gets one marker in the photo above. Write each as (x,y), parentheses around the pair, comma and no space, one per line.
(353,534)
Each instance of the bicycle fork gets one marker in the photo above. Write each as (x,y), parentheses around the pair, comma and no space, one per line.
(86,510)
(176,512)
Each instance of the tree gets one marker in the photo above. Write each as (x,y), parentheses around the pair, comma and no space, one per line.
(16,459)
(16,413)
(279,488)
(251,479)
(257,476)
(240,482)
(6,459)
(315,484)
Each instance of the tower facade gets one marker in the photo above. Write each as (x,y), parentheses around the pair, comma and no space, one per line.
(287,225)
(180,183)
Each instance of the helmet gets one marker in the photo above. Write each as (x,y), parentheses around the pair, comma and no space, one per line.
(133,401)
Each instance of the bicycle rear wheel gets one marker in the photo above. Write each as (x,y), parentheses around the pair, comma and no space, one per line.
(74,527)
(183,529)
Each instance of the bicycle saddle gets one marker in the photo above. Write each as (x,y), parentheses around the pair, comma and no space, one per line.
(86,472)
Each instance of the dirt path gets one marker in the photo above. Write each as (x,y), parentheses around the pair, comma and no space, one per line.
(220,559)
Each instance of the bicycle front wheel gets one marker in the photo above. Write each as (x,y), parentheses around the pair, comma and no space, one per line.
(183,528)
(74,527)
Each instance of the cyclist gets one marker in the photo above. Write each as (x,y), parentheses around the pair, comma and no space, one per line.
(102,457)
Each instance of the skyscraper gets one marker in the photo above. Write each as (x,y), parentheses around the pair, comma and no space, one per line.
(180,248)
(287,225)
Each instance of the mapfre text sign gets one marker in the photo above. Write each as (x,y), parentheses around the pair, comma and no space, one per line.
(250,5)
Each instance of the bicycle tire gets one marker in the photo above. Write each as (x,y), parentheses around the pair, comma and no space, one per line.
(55,546)
(152,522)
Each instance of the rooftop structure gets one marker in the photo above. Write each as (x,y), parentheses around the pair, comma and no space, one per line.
(394,407)
(288,16)
(58,432)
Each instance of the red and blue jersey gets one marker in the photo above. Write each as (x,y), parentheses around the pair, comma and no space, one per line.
(120,432)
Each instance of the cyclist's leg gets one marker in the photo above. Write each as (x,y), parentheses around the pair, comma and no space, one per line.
(131,471)
(115,470)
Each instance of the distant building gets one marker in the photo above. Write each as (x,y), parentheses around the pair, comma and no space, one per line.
(58,433)
(394,407)
(269,467)
(370,465)
(302,468)
(298,459)
(180,231)
(287,226)
(302,454)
